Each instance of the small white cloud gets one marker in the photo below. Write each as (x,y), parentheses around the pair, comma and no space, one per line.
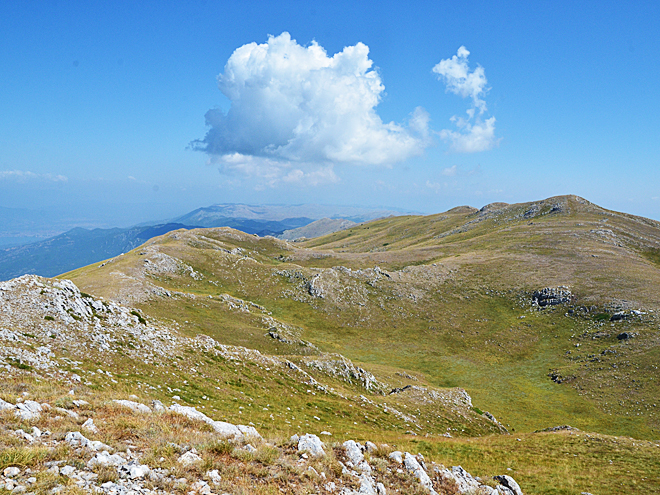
(472,134)
(292,104)
(455,72)
(450,171)
(25,175)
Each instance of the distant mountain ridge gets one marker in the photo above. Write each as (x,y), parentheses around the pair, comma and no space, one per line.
(79,246)
(318,228)
(215,215)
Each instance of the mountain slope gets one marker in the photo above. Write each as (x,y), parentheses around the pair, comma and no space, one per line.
(365,334)
(447,297)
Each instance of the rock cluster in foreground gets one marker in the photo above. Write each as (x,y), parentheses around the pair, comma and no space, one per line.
(218,457)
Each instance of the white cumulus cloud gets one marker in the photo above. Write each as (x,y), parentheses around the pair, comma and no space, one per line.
(473,133)
(295,111)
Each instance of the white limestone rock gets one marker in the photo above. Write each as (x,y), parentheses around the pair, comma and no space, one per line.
(225,429)
(133,470)
(106,459)
(200,487)
(354,454)
(6,406)
(11,472)
(134,406)
(29,410)
(311,444)
(413,466)
(90,426)
(77,439)
(67,471)
(508,485)
(188,459)
(214,476)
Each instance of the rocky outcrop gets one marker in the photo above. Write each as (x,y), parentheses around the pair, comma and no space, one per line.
(337,365)
(551,296)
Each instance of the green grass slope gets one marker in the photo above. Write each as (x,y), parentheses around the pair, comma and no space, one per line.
(445,298)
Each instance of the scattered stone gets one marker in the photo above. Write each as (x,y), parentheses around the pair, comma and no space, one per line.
(68,412)
(6,406)
(200,487)
(355,456)
(397,457)
(626,335)
(237,432)
(11,472)
(24,435)
(77,439)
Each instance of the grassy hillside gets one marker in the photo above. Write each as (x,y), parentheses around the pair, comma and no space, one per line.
(450,301)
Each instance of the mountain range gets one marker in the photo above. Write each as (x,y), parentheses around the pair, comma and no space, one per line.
(79,246)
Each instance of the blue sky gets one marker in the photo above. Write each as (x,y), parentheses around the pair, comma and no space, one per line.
(100,102)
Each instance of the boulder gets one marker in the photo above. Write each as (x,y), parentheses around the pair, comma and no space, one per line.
(312,444)
(508,483)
